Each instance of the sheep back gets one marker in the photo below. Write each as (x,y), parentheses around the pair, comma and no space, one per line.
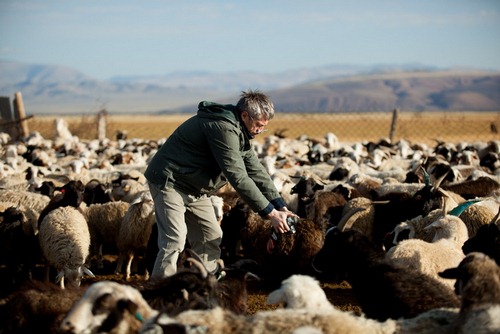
(135,228)
(65,239)
(35,201)
(104,221)
(476,215)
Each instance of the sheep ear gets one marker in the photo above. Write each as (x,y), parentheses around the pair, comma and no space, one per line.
(445,203)
(276,297)
(440,180)
(454,273)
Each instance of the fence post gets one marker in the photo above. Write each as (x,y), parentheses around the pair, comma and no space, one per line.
(394,124)
(101,124)
(6,116)
(20,115)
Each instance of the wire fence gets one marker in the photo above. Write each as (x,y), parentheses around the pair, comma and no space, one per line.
(416,127)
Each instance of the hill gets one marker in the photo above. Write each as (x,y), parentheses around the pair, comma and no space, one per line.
(51,89)
(409,91)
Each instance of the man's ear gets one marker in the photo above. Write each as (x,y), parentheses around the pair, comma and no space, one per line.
(244,115)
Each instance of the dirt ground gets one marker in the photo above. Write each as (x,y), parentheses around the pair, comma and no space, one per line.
(339,294)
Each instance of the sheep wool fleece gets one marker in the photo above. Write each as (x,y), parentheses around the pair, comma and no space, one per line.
(202,155)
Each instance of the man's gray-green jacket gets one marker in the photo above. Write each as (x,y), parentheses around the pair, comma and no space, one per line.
(209,150)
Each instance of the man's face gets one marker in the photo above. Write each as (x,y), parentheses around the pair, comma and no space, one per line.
(254,126)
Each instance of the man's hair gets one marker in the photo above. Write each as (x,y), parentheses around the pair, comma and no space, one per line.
(256,104)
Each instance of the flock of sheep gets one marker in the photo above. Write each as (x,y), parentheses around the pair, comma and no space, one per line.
(413,229)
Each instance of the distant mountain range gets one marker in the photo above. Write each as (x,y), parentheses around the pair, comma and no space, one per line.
(49,89)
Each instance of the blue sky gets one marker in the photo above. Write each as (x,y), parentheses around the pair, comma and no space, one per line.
(114,38)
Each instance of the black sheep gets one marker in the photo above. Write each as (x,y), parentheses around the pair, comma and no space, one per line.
(71,195)
(382,289)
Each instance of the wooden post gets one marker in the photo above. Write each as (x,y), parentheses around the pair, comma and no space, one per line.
(20,115)
(6,116)
(394,124)
(101,124)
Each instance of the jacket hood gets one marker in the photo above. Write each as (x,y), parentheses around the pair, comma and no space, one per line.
(229,112)
(207,109)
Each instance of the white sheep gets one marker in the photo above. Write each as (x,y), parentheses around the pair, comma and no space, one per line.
(479,214)
(29,199)
(417,227)
(284,184)
(109,297)
(443,252)
(104,221)
(65,241)
(128,189)
(135,231)
(300,291)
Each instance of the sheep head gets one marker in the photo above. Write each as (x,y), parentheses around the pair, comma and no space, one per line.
(98,306)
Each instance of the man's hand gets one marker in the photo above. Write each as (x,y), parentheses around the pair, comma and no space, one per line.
(278,219)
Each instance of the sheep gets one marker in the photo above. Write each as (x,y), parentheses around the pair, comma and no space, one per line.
(135,231)
(221,321)
(30,223)
(289,254)
(417,226)
(18,246)
(37,307)
(232,223)
(96,192)
(307,308)
(126,189)
(321,205)
(65,241)
(305,292)
(396,208)
(486,240)
(284,184)
(362,221)
(192,287)
(104,221)
(469,189)
(479,214)
(95,310)
(314,201)
(35,201)
(300,291)
(383,290)
(71,195)
(432,257)
(305,189)
(187,289)
(478,284)
(414,228)
(46,188)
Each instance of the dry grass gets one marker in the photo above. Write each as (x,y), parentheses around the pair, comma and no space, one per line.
(422,127)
